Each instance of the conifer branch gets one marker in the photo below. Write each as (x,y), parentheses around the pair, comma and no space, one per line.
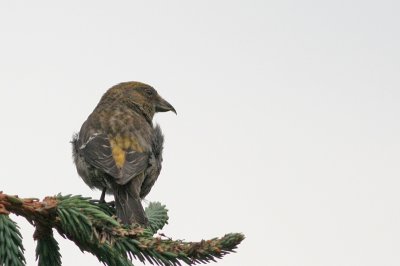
(11,249)
(48,251)
(93,227)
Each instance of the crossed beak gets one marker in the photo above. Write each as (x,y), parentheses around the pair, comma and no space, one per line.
(164,106)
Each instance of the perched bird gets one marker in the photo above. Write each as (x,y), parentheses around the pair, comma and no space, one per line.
(119,151)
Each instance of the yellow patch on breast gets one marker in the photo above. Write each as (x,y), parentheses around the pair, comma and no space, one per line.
(118,154)
(128,143)
(119,146)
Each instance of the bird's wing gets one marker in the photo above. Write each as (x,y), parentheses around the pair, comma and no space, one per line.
(122,164)
(155,160)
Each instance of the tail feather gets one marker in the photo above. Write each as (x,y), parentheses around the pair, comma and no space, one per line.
(129,208)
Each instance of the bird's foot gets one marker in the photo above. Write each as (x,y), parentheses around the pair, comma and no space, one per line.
(103,196)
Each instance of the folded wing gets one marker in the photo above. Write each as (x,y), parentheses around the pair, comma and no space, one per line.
(122,164)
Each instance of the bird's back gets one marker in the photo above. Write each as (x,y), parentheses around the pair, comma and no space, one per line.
(115,140)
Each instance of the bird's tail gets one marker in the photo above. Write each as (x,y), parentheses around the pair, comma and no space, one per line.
(129,208)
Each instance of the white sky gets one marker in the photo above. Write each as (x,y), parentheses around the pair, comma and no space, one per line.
(287,127)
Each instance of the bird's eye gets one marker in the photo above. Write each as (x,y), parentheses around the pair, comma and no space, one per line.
(149,92)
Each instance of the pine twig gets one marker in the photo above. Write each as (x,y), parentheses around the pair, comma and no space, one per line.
(11,249)
(92,226)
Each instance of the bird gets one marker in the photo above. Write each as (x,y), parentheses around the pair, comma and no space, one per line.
(118,150)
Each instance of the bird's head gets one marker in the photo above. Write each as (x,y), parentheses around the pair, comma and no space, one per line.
(140,95)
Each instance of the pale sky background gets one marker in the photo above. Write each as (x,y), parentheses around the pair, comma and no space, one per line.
(287,128)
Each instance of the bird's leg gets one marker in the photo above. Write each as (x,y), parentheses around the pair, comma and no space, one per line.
(103,196)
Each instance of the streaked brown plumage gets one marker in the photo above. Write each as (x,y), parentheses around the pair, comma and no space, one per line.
(119,151)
